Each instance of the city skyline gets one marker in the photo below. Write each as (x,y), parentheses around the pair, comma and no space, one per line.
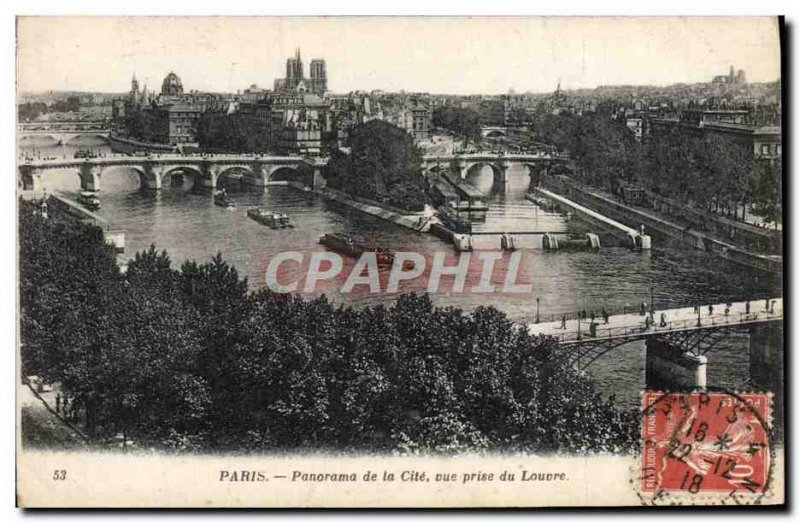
(523,54)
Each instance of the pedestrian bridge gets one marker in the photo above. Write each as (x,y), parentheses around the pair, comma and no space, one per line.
(154,169)
(695,330)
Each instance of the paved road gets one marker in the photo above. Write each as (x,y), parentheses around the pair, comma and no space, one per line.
(40,427)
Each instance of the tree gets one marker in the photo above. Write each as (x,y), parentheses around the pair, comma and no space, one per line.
(766,190)
(188,359)
(231,132)
(519,116)
(30,110)
(730,168)
(604,149)
(338,168)
(463,122)
(384,164)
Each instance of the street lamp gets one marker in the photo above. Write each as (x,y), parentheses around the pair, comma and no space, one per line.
(652,300)
(537,310)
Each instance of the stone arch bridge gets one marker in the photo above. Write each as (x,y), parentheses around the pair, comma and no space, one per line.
(207,170)
(62,132)
(539,164)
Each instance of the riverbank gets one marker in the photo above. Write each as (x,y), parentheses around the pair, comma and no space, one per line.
(661,225)
(66,208)
(419,221)
(129,145)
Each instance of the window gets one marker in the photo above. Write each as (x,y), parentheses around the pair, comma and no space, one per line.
(765,148)
(779,149)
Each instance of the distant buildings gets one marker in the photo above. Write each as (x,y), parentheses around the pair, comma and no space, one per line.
(730,78)
(295,79)
(299,116)
(414,117)
(494,112)
(301,119)
(319,77)
(734,126)
(167,118)
(301,122)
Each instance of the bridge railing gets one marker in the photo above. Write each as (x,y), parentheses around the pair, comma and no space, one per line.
(629,309)
(646,328)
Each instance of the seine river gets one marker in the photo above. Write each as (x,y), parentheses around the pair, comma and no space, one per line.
(189,227)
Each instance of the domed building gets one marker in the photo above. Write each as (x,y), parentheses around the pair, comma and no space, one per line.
(172,85)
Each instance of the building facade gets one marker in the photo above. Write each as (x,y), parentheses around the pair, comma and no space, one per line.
(167,118)
(319,77)
(295,78)
(764,142)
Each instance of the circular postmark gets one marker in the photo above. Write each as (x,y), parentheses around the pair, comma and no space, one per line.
(705,447)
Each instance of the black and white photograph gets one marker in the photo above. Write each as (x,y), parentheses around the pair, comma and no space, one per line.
(395,262)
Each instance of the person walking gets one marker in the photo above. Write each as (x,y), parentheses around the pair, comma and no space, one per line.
(564,321)
(747,307)
(710,310)
(663,320)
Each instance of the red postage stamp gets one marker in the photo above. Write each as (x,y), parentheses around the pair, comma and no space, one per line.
(698,442)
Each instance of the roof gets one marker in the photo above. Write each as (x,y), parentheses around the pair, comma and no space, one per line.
(183,108)
(742,128)
(312,99)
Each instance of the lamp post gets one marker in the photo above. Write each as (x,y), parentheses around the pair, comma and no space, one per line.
(537,310)
(652,300)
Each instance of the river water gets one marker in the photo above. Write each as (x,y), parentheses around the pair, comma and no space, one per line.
(189,226)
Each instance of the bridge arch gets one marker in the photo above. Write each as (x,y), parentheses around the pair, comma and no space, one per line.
(243,173)
(85,139)
(471,173)
(165,176)
(536,172)
(495,133)
(56,178)
(117,170)
(40,140)
(288,174)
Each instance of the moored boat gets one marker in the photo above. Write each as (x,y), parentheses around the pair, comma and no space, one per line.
(451,219)
(222,199)
(273,219)
(354,247)
(89,200)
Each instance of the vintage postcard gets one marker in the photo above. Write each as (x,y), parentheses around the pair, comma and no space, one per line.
(399,261)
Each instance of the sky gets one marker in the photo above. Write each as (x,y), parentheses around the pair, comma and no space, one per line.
(437,55)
